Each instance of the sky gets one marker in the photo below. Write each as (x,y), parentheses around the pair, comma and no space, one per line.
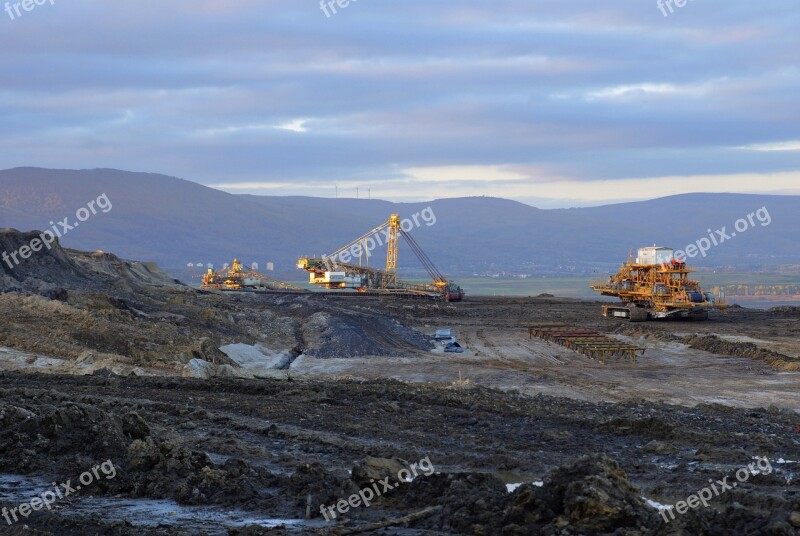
(552,103)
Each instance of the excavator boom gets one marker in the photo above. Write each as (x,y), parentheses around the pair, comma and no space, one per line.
(332,272)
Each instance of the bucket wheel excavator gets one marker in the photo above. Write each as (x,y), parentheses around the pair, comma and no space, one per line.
(348,267)
(657,285)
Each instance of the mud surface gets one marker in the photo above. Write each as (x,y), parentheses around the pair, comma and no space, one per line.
(271,448)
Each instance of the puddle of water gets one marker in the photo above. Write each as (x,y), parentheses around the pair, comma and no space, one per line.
(17,489)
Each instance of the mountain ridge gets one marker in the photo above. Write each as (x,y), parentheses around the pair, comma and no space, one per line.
(174,221)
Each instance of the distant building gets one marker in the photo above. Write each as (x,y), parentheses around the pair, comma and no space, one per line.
(270,267)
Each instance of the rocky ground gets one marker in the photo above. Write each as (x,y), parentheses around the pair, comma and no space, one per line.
(248,414)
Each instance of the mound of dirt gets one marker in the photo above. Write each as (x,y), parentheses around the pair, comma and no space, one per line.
(716,345)
(654,427)
(127,275)
(785,309)
(163,469)
(329,336)
(44,270)
(375,469)
(79,436)
(49,268)
(591,496)
(312,485)
(473,503)
(77,433)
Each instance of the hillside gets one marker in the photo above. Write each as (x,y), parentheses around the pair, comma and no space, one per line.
(173,222)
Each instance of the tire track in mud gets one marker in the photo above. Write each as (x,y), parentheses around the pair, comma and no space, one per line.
(553,360)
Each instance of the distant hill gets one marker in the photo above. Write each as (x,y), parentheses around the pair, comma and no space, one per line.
(173,222)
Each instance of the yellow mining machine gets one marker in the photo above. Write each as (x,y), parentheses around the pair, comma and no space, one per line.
(657,285)
(237,278)
(340,271)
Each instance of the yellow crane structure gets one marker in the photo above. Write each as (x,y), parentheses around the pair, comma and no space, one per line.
(657,285)
(237,278)
(391,248)
(339,270)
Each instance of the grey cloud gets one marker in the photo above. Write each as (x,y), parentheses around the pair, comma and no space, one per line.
(194,89)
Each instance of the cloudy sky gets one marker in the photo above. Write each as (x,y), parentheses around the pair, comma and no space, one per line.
(554,103)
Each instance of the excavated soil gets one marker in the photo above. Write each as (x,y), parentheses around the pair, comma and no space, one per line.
(271,448)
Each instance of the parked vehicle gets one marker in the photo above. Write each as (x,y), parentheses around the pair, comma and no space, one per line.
(453,348)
